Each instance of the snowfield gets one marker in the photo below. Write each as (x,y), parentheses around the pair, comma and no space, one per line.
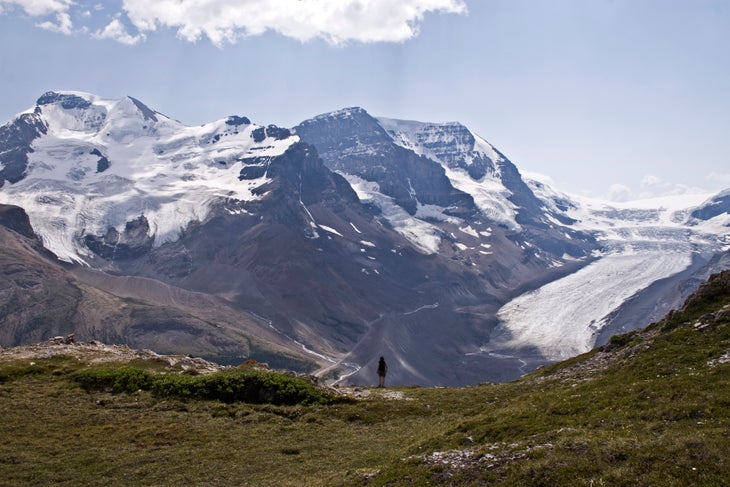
(440,142)
(424,236)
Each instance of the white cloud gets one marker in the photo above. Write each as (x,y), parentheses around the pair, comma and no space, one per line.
(336,21)
(116,31)
(650,180)
(37,8)
(619,192)
(654,186)
(44,8)
(63,24)
(225,21)
(719,178)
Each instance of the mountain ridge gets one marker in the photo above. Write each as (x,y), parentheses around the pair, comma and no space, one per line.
(348,236)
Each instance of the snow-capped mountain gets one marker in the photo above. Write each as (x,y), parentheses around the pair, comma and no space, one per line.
(339,240)
(97,164)
(636,245)
(422,175)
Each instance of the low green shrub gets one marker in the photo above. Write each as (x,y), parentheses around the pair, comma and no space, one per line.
(631,338)
(117,380)
(250,386)
(17,369)
(12,372)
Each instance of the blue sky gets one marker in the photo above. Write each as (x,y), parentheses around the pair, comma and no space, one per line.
(610,98)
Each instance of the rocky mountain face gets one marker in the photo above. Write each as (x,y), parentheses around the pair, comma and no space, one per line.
(439,172)
(718,205)
(323,246)
(42,297)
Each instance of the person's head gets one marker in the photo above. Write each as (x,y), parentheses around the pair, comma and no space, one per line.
(382,359)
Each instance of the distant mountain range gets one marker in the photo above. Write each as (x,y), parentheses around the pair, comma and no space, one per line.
(324,246)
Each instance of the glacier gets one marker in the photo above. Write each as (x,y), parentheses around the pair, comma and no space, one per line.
(644,241)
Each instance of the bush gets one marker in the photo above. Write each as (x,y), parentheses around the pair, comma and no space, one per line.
(251,386)
(12,372)
(618,341)
(123,379)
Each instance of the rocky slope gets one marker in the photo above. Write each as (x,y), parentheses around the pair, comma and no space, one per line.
(41,297)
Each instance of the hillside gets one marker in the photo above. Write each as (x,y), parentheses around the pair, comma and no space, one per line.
(649,408)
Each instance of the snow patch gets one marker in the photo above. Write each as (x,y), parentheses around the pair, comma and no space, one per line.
(425,237)
(447,142)
(434,212)
(329,229)
(490,196)
(469,231)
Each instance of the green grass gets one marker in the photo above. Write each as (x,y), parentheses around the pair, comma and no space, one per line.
(652,409)
(55,432)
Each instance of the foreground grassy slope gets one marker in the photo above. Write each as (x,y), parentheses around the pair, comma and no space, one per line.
(651,408)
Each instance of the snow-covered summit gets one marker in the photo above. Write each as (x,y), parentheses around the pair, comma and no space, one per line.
(471,163)
(118,120)
(98,164)
(450,143)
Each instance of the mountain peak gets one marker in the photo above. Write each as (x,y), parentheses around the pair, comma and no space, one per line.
(68,99)
(147,113)
(451,143)
(350,117)
(347,112)
(109,155)
(98,108)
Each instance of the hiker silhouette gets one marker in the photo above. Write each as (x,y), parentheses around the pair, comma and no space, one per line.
(382,370)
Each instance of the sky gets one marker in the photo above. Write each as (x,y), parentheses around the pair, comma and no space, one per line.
(618,99)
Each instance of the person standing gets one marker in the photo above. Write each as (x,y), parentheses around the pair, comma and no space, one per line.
(382,370)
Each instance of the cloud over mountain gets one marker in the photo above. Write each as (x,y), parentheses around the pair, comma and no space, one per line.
(226,21)
(38,7)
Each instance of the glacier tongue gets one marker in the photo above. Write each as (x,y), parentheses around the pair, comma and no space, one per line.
(563,318)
